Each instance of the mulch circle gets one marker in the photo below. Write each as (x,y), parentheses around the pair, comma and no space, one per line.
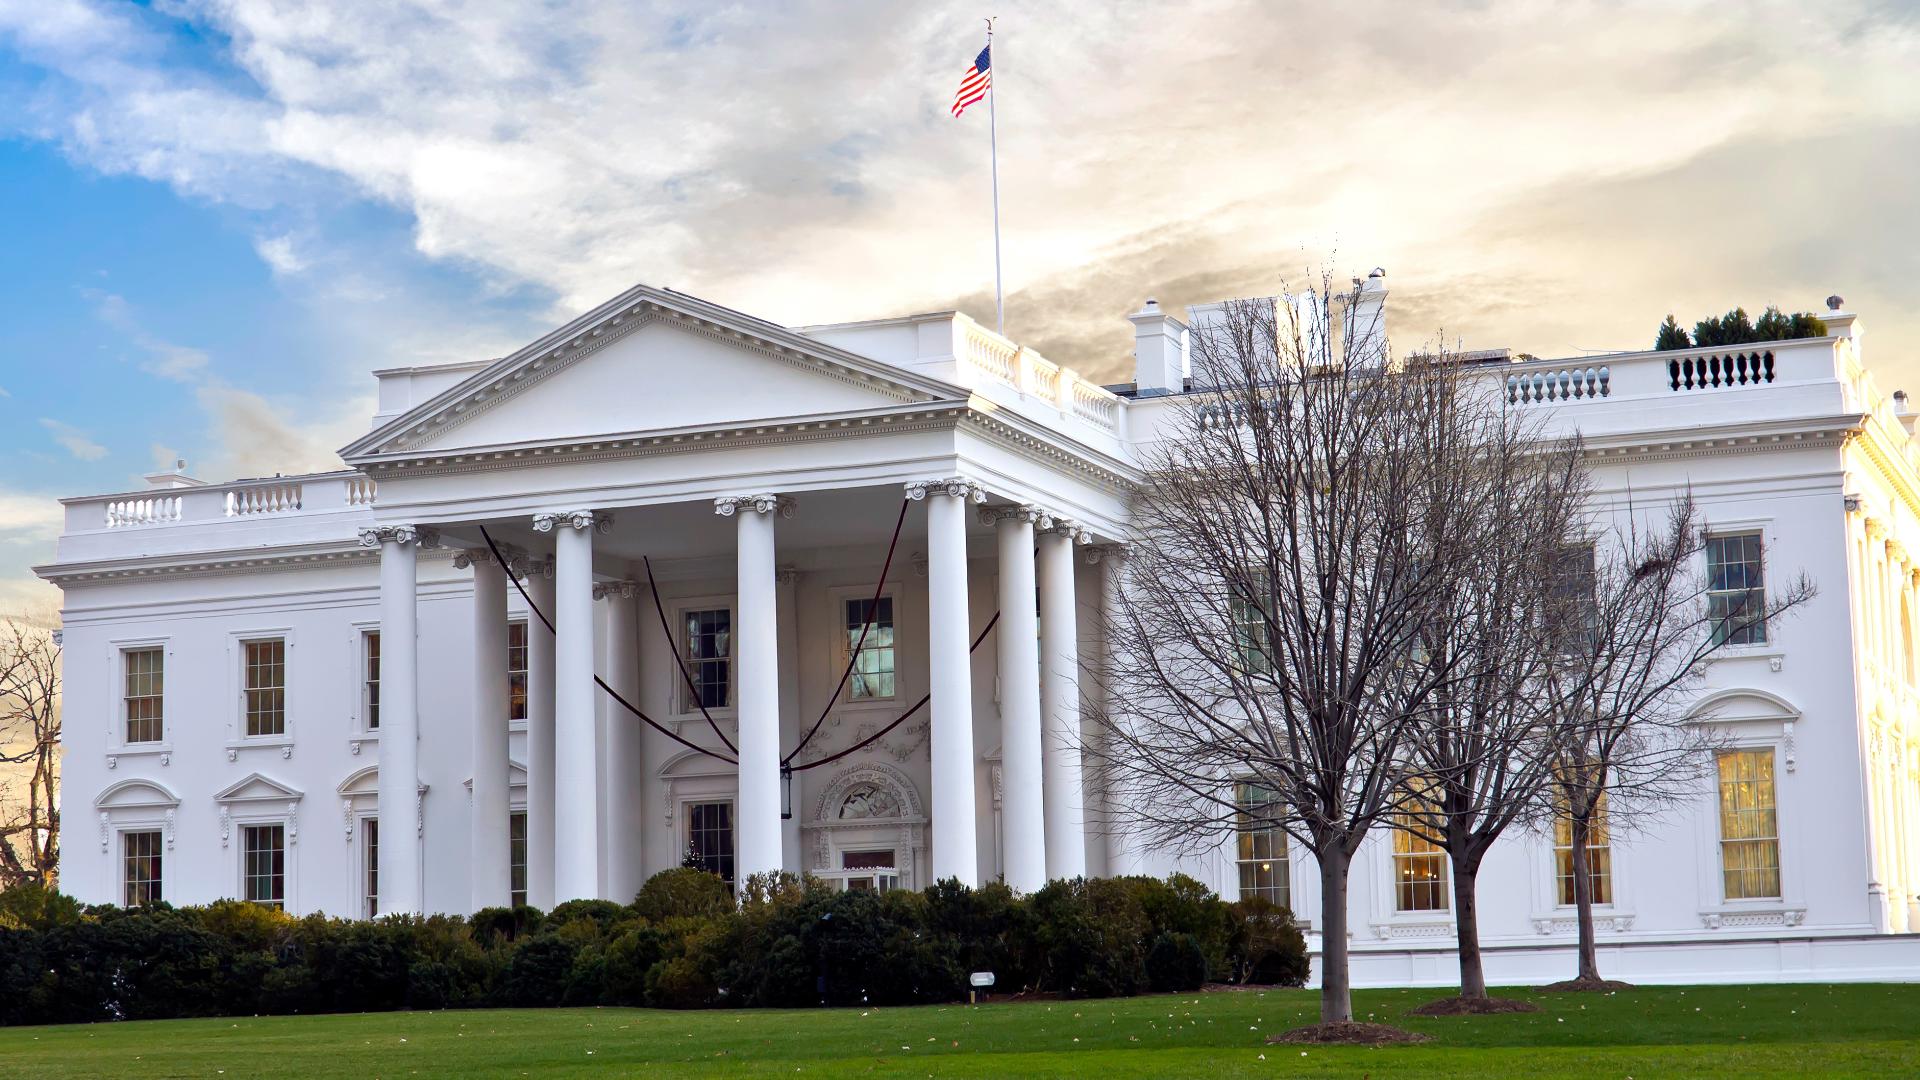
(1465,1006)
(1350,1033)
(1585,986)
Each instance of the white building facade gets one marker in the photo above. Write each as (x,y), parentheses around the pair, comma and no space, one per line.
(673,583)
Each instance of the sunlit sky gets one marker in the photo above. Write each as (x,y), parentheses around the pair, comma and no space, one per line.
(219,215)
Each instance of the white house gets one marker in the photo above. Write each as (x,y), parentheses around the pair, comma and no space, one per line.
(340,692)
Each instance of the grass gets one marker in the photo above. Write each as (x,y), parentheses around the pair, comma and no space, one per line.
(1827,1031)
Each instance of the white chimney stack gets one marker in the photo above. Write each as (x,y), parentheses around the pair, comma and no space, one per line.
(1366,322)
(1159,351)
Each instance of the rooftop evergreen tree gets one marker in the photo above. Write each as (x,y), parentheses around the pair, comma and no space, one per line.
(1672,336)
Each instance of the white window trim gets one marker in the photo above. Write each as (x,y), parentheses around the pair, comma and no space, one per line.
(237,737)
(1769,649)
(243,818)
(683,825)
(118,852)
(1387,920)
(361,817)
(524,619)
(684,709)
(837,604)
(360,715)
(1791,903)
(117,744)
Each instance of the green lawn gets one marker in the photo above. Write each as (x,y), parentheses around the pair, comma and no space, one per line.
(1821,1031)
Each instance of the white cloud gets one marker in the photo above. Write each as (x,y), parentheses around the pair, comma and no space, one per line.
(798,160)
(4,393)
(73,440)
(29,518)
(278,252)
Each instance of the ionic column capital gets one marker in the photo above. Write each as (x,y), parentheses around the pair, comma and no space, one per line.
(1095,554)
(765,503)
(1068,528)
(1027,512)
(598,520)
(516,558)
(625,590)
(959,487)
(402,535)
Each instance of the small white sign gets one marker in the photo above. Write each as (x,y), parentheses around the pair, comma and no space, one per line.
(981,978)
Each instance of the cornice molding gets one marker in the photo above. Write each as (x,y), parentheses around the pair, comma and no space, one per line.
(202,564)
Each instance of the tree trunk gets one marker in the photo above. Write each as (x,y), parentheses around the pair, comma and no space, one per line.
(1583,896)
(1336,986)
(1466,918)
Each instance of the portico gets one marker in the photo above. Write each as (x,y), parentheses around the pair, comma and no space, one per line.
(682,585)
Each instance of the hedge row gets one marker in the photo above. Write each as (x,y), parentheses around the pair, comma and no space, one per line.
(683,943)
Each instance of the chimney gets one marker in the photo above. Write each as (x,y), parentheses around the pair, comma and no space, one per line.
(1366,322)
(176,477)
(1159,351)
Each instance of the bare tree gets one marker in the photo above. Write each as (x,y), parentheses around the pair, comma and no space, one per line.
(29,754)
(1641,618)
(1302,518)
(1485,749)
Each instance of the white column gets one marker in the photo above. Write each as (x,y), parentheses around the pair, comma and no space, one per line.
(625,760)
(1022,828)
(791,857)
(756,658)
(950,677)
(1122,858)
(401,852)
(1060,703)
(491,808)
(540,776)
(576,809)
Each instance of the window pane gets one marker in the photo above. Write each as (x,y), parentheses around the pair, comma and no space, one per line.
(142,854)
(372,688)
(517,670)
(1736,589)
(265,680)
(370,828)
(1261,845)
(1599,856)
(265,865)
(1419,867)
(1749,827)
(709,656)
(145,679)
(517,858)
(873,665)
(710,838)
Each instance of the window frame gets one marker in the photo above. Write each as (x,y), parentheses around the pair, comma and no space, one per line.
(237,641)
(839,599)
(367,845)
(524,625)
(159,855)
(523,840)
(1243,861)
(117,744)
(686,830)
(1721,626)
(1560,851)
(1769,753)
(1418,847)
(684,706)
(246,829)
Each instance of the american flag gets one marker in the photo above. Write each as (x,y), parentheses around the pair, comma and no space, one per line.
(975,83)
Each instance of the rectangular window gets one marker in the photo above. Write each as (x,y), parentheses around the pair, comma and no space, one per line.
(264,850)
(1749,826)
(265,679)
(1252,637)
(1262,853)
(517,858)
(517,670)
(142,853)
(1599,856)
(1736,589)
(370,901)
(1419,865)
(1574,615)
(709,653)
(873,667)
(370,678)
(145,679)
(710,838)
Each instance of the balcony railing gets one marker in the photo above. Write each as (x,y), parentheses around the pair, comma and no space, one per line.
(1688,372)
(985,355)
(276,497)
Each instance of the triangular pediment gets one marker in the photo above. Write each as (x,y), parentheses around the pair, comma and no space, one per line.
(258,788)
(651,360)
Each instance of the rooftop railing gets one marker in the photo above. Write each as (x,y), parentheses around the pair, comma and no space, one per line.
(987,356)
(274,497)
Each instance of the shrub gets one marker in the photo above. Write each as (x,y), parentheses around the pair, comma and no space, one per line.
(683,893)
(1175,963)
(1268,947)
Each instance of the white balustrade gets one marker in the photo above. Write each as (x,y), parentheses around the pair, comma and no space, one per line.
(145,510)
(252,499)
(987,355)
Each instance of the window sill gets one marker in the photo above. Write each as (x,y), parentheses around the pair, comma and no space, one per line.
(846,704)
(1748,914)
(282,743)
(1773,654)
(1566,920)
(355,743)
(1415,924)
(162,750)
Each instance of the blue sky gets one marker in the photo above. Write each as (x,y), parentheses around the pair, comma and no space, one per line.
(220,215)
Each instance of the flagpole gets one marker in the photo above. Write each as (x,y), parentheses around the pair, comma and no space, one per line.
(993,143)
